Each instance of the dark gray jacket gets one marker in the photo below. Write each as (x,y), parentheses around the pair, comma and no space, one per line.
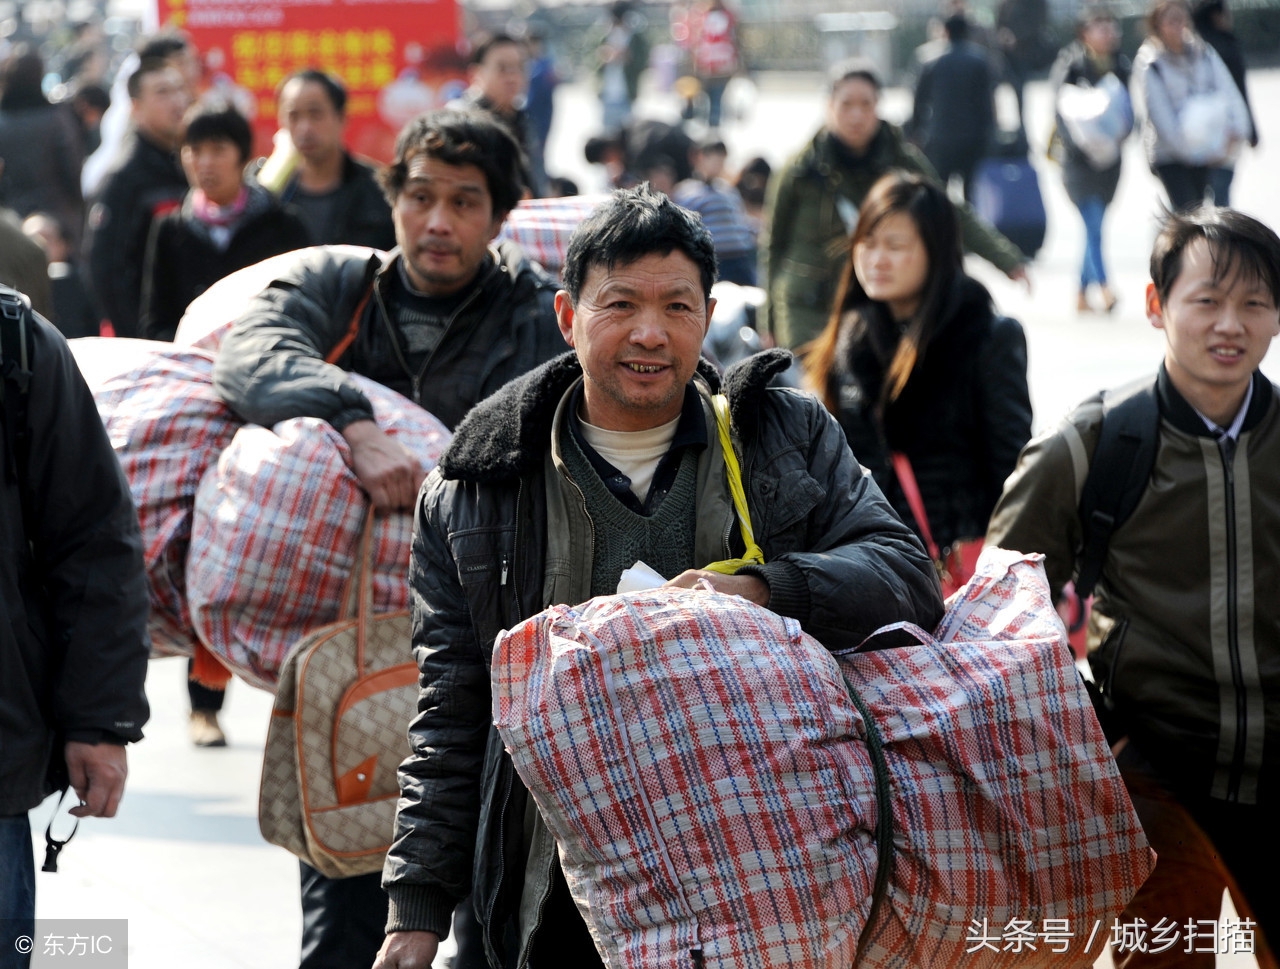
(73,602)
(271,365)
(837,559)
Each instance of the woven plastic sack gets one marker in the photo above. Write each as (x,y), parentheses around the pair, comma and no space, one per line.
(698,761)
(1010,819)
(277,521)
(167,427)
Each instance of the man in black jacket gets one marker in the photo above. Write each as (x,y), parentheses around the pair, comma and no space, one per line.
(146,184)
(336,194)
(73,643)
(445,319)
(509,521)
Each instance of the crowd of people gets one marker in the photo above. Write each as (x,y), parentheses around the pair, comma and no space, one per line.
(900,431)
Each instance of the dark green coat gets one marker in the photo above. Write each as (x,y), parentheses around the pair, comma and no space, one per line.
(806,238)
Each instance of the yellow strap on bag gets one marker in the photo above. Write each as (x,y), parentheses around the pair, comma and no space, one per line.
(753,556)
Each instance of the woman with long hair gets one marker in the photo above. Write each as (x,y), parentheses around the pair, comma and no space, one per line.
(915,361)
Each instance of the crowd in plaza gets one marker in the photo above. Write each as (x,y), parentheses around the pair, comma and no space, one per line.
(844,474)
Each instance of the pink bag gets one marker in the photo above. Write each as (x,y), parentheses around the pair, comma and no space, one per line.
(277,521)
(715,786)
(167,427)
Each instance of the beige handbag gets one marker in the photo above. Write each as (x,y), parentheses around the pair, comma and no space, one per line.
(339,730)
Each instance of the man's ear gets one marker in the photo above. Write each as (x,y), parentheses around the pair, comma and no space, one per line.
(499,218)
(1155,310)
(564,315)
(711,308)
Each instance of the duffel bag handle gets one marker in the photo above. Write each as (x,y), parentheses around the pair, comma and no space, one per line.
(357,603)
(868,646)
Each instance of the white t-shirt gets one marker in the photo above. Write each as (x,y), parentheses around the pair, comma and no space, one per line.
(636,454)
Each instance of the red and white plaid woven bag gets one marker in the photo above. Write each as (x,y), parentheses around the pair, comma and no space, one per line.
(696,759)
(167,427)
(1015,842)
(277,523)
(713,787)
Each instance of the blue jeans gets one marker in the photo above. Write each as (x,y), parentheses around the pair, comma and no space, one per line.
(1092,210)
(17,889)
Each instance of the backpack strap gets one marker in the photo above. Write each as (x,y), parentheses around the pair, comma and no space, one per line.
(1118,473)
(15,380)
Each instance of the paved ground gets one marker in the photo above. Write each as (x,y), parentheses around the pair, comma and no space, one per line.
(184,862)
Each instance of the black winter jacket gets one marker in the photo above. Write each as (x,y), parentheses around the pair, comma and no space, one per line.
(361,215)
(73,606)
(962,417)
(182,260)
(837,559)
(271,365)
(147,185)
(954,107)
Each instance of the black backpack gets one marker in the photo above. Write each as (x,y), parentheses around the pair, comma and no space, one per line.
(1118,473)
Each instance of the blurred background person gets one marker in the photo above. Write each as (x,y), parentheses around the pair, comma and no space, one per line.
(146,183)
(1212,21)
(953,119)
(73,312)
(813,202)
(622,55)
(1089,180)
(544,78)
(224,223)
(90,103)
(498,81)
(1195,117)
(1021,37)
(23,264)
(336,194)
(914,360)
(714,52)
(42,146)
(720,207)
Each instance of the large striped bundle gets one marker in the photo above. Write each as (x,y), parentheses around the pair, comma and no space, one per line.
(167,427)
(1010,819)
(697,761)
(276,526)
(712,785)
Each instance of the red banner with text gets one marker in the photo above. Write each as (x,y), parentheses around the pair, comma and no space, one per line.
(397,58)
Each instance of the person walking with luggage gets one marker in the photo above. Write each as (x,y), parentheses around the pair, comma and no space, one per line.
(1195,118)
(916,365)
(813,201)
(1212,21)
(621,434)
(1184,635)
(1093,62)
(444,319)
(954,115)
(74,643)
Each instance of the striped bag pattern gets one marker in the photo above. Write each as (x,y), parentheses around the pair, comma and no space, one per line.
(276,526)
(698,764)
(1008,808)
(167,427)
(543,227)
(644,726)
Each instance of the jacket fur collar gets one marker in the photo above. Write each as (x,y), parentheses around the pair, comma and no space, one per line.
(508,434)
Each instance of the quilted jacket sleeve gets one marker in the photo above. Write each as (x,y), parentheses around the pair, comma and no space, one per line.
(428,869)
(837,557)
(271,365)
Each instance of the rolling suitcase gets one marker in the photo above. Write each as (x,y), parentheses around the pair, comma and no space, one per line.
(1006,192)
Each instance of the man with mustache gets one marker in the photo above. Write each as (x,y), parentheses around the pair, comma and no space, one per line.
(445,319)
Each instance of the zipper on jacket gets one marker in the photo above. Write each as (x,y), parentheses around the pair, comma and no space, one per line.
(1227,449)
(415,379)
(515,553)
(490,948)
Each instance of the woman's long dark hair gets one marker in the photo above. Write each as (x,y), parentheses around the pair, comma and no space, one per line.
(927,205)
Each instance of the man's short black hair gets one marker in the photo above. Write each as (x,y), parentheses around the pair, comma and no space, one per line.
(489,42)
(148,65)
(634,223)
(956,27)
(462,138)
(853,69)
(333,88)
(1239,246)
(163,45)
(219,121)
(92,96)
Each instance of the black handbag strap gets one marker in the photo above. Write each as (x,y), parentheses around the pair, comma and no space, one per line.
(884,820)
